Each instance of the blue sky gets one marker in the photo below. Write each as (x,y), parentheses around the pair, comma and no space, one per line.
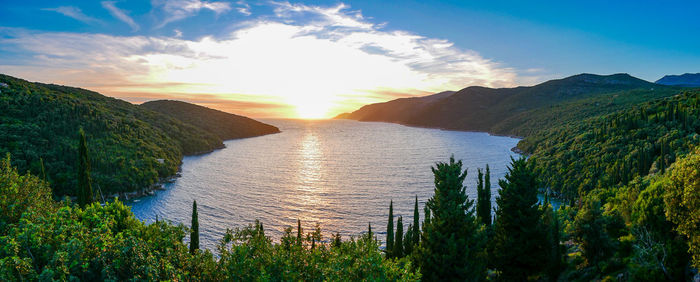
(315,59)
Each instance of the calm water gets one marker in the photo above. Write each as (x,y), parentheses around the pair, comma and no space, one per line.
(341,174)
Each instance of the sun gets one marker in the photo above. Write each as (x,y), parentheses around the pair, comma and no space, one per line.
(312,110)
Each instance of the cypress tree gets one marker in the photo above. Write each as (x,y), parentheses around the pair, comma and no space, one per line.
(555,265)
(450,244)
(194,235)
(416,225)
(390,231)
(299,232)
(398,244)
(84,180)
(408,241)
(519,240)
(486,203)
(369,230)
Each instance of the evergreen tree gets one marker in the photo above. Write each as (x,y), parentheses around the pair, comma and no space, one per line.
(194,235)
(369,231)
(483,202)
(390,231)
(520,240)
(408,241)
(450,243)
(556,262)
(416,225)
(398,244)
(84,179)
(299,232)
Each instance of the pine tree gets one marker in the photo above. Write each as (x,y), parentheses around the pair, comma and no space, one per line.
(390,231)
(84,180)
(194,235)
(520,240)
(398,244)
(416,225)
(450,243)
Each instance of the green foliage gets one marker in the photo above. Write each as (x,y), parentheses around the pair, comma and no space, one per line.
(223,125)
(612,150)
(415,231)
(390,231)
(451,244)
(85,195)
(40,122)
(194,234)
(520,237)
(682,201)
(483,201)
(398,244)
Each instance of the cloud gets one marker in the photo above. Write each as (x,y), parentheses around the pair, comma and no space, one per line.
(243,8)
(319,60)
(120,14)
(176,10)
(75,13)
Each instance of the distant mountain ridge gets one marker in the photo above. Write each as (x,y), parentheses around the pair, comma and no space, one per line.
(511,111)
(224,125)
(686,79)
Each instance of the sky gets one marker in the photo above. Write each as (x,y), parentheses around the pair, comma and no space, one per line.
(316,59)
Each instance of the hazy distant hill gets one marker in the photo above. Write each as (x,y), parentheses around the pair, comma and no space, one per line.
(222,124)
(398,110)
(516,111)
(130,146)
(687,79)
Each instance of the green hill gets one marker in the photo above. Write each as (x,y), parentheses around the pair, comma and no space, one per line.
(130,146)
(613,149)
(517,111)
(224,125)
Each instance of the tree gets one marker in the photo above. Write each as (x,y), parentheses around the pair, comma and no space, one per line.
(589,231)
(390,231)
(416,225)
(194,235)
(408,241)
(682,201)
(299,232)
(483,202)
(84,179)
(450,243)
(398,244)
(520,239)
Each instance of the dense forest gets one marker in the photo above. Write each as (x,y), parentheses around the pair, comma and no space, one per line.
(630,179)
(132,147)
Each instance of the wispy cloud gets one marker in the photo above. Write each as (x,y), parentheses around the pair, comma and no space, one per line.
(120,14)
(176,10)
(303,56)
(243,8)
(75,13)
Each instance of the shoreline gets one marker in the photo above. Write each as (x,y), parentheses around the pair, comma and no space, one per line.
(160,185)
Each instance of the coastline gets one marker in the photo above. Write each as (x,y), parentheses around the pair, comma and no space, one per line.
(160,185)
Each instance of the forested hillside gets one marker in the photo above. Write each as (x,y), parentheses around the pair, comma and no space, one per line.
(224,125)
(130,147)
(614,149)
(518,111)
